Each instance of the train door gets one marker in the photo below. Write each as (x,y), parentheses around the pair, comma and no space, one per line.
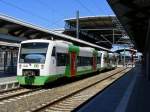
(73,64)
(94,62)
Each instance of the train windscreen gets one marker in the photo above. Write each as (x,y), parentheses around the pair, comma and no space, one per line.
(33,52)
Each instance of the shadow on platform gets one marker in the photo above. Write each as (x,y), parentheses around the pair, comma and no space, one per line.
(131,93)
(7,74)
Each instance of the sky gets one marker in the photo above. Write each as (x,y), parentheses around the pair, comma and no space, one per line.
(51,13)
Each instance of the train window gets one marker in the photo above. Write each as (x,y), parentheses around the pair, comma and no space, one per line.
(54,51)
(99,59)
(84,61)
(67,59)
(106,59)
(62,59)
(33,52)
(78,61)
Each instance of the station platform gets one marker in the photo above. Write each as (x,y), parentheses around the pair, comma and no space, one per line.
(131,93)
(8,81)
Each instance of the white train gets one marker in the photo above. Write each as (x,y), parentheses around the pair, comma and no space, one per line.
(43,61)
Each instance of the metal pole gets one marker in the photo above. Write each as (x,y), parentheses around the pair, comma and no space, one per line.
(124,58)
(132,58)
(12,61)
(113,37)
(5,61)
(147,53)
(77,25)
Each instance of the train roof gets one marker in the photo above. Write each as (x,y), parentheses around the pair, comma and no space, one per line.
(36,40)
(88,49)
(102,51)
(47,41)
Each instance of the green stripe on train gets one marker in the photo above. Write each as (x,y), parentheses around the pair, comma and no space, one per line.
(37,80)
(84,72)
(72,48)
(41,80)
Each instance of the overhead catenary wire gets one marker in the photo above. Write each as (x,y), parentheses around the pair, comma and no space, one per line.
(25,11)
(87,9)
(42,3)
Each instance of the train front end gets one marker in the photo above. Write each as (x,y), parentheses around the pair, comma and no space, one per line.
(31,66)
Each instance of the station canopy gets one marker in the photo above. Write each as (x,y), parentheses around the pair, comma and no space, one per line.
(134,15)
(98,32)
(133,51)
(101,30)
(13,29)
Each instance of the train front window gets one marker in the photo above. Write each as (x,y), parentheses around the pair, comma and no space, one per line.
(33,52)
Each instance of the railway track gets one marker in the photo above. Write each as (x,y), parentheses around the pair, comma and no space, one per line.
(5,95)
(50,99)
(9,90)
(71,101)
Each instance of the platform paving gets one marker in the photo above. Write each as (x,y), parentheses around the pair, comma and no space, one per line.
(8,82)
(140,98)
(7,79)
(117,97)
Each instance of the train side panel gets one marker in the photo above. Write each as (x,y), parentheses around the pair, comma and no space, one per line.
(38,66)
(84,62)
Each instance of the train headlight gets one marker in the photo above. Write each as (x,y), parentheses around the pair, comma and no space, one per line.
(36,66)
(19,66)
(42,66)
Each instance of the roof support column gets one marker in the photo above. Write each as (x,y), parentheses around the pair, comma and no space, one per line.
(113,36)
(124,58)
(5,61)
(77,25)
(147,53)
(11,61)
